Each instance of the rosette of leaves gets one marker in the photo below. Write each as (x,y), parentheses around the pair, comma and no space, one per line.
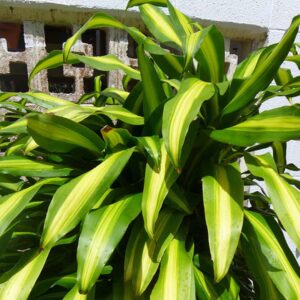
(140,193)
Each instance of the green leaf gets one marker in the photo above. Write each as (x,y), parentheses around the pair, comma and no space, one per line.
(159,24)
(102,230)
(156,187)
(176,198)
(116,112)
(73,200)
(264,72)
(279,153)
(278,262)
(284,197)
(114,137)
(223,205)
(204,288)
(179,114)
(22,166)
(19,126)
(107,62)
(258,266)
(13,204)
(166,228)
(20,284)
(133,3)
(139,267)
(279,124)
(95,22)
(176,275)
(58,134)
(210,56)
(151,145)
(182,23)
(44,100)
(247,67)
(153,91)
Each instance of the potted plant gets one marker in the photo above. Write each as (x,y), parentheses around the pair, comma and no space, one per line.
(140,194)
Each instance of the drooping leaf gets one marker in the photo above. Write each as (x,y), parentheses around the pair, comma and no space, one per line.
(257,265)
(102,230)
(278,262)
(156,187)
(20,283)
(73,200)
(133,3)
(116,112)
(180,111)
(44,100)
(139,267)
(107,62)
(176,275)
(22,166)
(279,124)
(223,205)
(58,134)
(166,228)
(284,197)
(12,205)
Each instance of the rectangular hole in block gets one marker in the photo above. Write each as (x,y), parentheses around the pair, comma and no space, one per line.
(96,38)
(16,80)
(14,35)
(132,45)
(240,48)
(88,83)
(55,36)
(58,83)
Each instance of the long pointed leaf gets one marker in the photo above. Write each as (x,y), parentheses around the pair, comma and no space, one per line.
(265,71)
(139,267)
(22,166)
(73,200)
(284,197)
(156,187)
(19,285)
(58,134)
(13,204)
(102,230)
(176,277)
(179,113)
(153,91)
(223,205)
(279,124)
(280,268)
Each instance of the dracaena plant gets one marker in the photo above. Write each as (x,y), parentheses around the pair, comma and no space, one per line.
(154,192)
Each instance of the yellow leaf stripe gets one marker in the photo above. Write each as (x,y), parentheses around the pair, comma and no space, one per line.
(271,240)
(100,246)
(180,111)
(155,15)
(155,190)
(223,215)
(78,196)
(285,199)
(20,284)
(11,205)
